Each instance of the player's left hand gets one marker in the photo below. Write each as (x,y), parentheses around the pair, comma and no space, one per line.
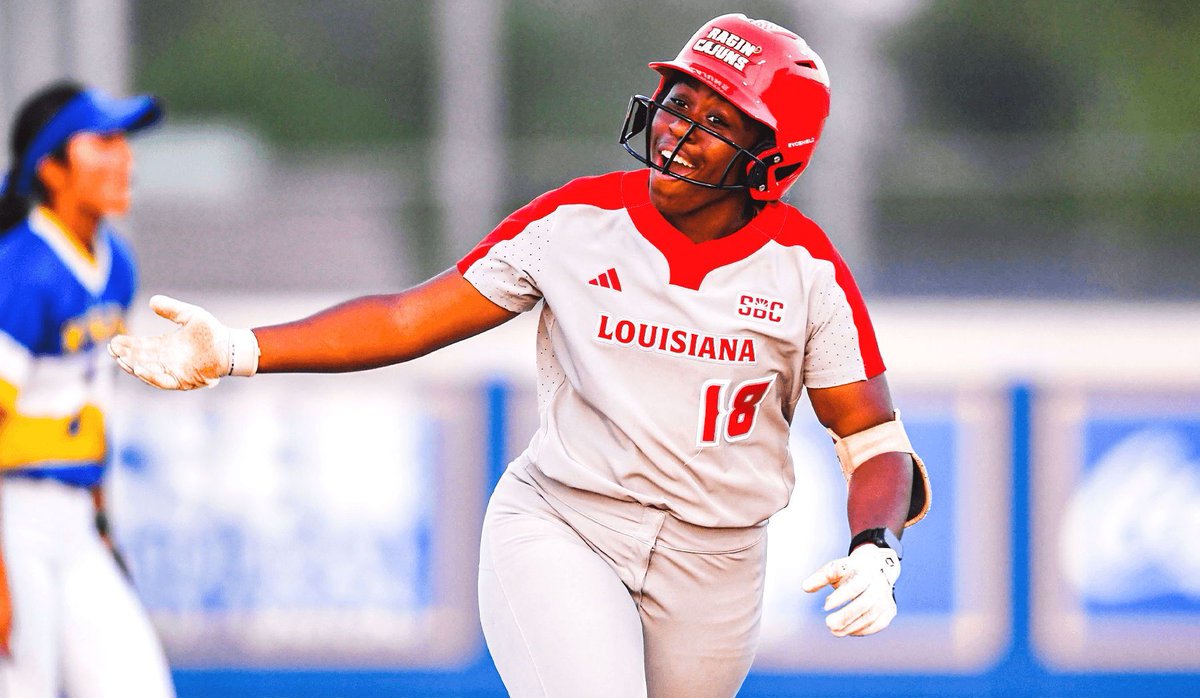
(862,602)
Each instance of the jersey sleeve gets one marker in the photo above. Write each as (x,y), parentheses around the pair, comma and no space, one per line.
(21,326)
(505,265)
(840,347)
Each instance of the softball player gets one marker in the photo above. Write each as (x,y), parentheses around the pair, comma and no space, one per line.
(69,619)
(684,310)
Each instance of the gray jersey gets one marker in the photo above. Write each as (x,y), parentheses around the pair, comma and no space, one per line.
(668,371)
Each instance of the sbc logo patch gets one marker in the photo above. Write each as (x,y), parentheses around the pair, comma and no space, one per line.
(760,308)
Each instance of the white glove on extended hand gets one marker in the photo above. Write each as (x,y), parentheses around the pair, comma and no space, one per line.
(863,584)
(198,354)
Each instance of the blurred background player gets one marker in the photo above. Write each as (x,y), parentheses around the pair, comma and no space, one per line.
(685,311)
(69,618)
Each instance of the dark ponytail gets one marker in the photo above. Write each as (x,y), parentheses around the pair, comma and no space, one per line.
(13,208)
(33,116)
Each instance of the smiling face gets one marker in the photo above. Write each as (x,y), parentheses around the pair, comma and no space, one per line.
(99,172)
(93,180)
(701,156)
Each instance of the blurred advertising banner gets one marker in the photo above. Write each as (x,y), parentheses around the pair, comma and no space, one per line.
(954,613)
(303,521)
(1115,481)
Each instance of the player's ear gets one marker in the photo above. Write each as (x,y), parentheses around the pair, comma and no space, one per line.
(53,174)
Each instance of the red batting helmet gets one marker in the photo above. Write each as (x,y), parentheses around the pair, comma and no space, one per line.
(767,72)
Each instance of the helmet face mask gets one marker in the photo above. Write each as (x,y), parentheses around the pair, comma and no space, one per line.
(643,110)
(769,74)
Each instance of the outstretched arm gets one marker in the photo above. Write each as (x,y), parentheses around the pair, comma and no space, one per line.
(364,333)
(375,331)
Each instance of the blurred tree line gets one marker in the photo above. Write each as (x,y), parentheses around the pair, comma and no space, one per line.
(1056,65)
(322,73)
(1086,135)
(300,73)
(1079,114)
(1117,75)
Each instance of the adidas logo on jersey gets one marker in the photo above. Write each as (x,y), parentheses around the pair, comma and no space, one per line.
(607,280)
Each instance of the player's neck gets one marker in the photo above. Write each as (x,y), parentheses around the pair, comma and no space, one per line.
(75,221)
(708,219)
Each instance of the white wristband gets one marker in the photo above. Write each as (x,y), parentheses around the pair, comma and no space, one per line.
(243,353)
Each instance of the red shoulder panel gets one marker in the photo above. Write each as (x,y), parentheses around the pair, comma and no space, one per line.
(800,231)
(603,191)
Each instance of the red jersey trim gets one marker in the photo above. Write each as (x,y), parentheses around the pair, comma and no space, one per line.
(690,262)
(603,191)
(800,231)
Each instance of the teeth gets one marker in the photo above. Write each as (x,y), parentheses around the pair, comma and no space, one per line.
(666,154)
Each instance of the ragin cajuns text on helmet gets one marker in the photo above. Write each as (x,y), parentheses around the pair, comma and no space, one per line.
(767,72)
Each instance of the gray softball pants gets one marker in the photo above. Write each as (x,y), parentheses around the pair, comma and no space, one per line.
(583,595)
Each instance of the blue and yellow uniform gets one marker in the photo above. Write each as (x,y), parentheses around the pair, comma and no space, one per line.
(70,622)
(59,305)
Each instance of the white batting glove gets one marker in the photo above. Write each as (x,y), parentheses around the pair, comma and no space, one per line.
(197,355)
(862,594)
